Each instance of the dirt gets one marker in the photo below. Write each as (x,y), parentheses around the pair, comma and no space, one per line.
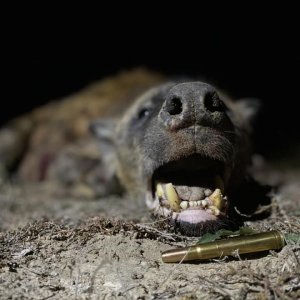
(58,247)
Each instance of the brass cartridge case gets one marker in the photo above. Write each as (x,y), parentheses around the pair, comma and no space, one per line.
(220,248)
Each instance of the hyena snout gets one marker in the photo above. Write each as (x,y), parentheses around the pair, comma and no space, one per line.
(191,104)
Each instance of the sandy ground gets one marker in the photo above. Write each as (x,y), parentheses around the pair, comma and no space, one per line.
(55,247)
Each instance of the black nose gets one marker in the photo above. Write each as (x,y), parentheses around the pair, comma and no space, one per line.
(174,106)
(193,103)
(213,103)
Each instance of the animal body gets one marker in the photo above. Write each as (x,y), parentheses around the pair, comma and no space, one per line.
(182,146)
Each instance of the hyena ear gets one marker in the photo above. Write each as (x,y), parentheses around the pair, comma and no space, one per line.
(249,109)
(103,130)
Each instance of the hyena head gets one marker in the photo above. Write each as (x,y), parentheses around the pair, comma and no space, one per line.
(186,148)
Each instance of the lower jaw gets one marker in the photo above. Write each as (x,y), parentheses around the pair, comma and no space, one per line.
(192,222)
(196,222)
(200,228)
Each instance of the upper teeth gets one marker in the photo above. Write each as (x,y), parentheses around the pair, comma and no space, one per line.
(159,190)
(172,197)
(200,203)
(184,204)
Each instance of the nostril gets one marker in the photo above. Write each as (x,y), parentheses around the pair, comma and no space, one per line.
(174,106)
(213,103)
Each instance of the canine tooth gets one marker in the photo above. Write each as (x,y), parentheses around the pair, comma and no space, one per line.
(219,183)
(184,204)
(172,197)
(217,199)
(159,191)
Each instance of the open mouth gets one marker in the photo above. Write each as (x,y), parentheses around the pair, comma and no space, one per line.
(191,190)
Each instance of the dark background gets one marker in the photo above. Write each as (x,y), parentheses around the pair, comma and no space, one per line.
(247,59)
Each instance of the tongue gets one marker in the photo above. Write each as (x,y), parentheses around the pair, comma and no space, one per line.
(190,193)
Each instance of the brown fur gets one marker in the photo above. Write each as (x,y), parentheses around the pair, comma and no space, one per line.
(53,142)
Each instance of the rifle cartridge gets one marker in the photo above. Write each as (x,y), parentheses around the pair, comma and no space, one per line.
(271,240)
